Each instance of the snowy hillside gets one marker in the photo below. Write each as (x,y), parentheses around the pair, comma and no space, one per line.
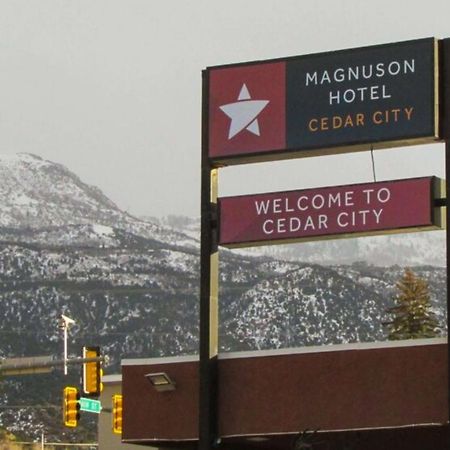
(38,193)
(37,197)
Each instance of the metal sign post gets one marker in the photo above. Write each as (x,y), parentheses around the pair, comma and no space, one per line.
(447,241)
(445,132)
(209,270)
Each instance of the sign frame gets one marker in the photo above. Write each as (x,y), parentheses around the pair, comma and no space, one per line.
(363,144)
(436,186)
(208,373)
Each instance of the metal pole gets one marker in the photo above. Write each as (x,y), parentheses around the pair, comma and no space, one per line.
(65,348)
(447,228)
(49,363)
(42,440)
(209,262)
(444,104)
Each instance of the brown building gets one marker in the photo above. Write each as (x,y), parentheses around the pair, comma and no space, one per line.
(356,396)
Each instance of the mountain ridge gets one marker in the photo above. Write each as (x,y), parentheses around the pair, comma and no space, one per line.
(36,194)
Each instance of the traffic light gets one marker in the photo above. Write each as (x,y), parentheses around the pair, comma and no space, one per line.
(71,406)
(117,413)
(92,372)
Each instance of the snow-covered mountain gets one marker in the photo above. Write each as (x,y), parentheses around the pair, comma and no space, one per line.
(38,193)
(132,286)
(42,200)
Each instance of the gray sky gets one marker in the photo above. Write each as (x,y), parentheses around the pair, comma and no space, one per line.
(112,88)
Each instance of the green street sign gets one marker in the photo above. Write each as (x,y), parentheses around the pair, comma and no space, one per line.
(90,405)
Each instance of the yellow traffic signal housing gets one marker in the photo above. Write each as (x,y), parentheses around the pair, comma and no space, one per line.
(92,373)
(117,413)
(71,406)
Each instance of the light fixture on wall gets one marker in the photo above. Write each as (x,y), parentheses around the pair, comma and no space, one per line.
(161,381)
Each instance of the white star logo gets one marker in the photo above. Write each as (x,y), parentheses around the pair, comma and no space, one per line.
(244,113)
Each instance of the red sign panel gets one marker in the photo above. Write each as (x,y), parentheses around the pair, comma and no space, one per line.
(311,214)
(247,109)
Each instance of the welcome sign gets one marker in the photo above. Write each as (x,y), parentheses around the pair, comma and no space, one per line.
(324,103)
(330,212)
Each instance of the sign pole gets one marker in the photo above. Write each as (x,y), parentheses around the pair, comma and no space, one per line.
(445,132)
(447,217)
(209,262)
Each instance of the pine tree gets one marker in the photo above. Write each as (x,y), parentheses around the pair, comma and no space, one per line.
(412,315)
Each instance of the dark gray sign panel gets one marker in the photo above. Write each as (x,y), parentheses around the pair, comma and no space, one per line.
(364,95)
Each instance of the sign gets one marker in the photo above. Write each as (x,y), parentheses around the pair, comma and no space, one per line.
(90,405)
(340,211)
(324,103)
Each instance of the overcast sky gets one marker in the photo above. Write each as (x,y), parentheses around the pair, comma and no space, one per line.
(112,88)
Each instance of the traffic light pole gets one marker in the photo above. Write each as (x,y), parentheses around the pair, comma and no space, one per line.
(27,367)
(209,273)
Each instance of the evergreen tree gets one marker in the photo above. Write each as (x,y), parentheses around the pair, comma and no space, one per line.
(412,315)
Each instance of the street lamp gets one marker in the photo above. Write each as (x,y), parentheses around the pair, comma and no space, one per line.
(64,324)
